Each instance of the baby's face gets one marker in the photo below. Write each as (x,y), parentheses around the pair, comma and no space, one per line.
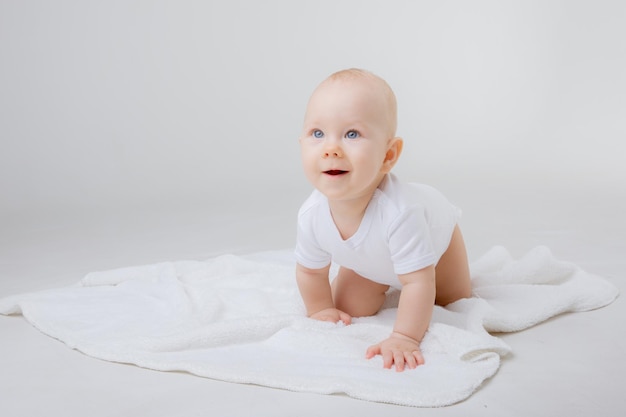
(345,139)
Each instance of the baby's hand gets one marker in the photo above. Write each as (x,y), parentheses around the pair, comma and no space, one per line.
(397,349)
(332,314)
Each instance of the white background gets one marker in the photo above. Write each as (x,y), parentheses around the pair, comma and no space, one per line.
(148,103)
(135,132)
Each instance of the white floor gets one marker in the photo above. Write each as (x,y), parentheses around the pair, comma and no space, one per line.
(571,365)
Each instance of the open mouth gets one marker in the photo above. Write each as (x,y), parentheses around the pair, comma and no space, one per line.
(335,172)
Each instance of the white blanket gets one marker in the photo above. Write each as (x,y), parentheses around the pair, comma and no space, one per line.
(241,319)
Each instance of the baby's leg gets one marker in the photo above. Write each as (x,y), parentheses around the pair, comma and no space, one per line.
(452,272)
(356,295)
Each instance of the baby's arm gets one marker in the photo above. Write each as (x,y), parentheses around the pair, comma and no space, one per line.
(415,310)
(317,295)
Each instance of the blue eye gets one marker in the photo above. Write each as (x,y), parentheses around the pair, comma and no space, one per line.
(318,134)
(352,134)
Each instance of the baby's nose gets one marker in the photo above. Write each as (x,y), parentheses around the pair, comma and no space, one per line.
(334,154)
(332,150)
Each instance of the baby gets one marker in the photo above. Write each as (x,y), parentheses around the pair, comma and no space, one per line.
(381,232)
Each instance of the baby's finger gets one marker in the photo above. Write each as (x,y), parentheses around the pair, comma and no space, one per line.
(372,351)
(387,359)
(419,358)
(398,358)
(410,359)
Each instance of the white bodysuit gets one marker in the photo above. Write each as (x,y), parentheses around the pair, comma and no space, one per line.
(406,227)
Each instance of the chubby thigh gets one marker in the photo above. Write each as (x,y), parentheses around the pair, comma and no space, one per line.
(452,274)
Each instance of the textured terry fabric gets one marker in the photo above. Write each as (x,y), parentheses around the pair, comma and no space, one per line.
(241,320)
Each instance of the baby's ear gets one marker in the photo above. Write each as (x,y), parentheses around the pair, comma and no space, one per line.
(393,153)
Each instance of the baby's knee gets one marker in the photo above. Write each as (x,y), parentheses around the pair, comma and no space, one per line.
(449,296)
(357,295)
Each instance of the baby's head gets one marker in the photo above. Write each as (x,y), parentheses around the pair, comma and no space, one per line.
(353,85)
(348,141)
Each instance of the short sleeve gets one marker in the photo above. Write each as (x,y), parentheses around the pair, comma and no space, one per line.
(308,252)
(410,242)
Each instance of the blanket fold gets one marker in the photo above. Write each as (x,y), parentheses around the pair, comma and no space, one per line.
(241,319)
